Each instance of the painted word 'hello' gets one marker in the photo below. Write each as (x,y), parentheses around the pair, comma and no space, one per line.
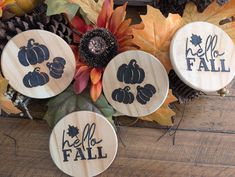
(84,147)
(207,55)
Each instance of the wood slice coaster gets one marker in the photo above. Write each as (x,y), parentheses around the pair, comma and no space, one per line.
(38,64)
(135,83)
(203,56)
(83,144)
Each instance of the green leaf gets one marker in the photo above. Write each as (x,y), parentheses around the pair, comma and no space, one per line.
(68,102)
(61,6)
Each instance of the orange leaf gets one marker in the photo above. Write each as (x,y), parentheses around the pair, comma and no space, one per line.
(214,13)
(123,27)
(6,104)
(95,91)
(164,114)
(117,17)
(95,75)
(156,36)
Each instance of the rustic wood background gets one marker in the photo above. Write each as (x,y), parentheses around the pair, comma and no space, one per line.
(204,144)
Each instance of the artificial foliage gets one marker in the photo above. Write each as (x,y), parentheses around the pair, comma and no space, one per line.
(68,102)
(92,59)
(97,32)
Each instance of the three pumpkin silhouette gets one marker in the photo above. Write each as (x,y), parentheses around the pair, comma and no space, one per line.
(35,53)
(132,73)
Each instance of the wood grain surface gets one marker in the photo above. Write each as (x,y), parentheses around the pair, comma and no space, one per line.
(203,55)
(38,63)
(135,83)
(83,144)
(204,145)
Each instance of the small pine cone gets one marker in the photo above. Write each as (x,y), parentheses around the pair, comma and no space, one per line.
(38,19)
(183,92)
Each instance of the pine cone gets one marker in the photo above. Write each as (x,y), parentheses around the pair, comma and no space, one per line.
(183,92)
(177,6)
(38,19)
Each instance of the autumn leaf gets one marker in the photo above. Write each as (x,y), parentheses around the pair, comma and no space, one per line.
(3,4)
(156,36)
(164,114)
(214,13)
(61,6)
(91,8)
(6,104)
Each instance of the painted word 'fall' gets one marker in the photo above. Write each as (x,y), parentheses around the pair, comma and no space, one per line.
(84,147)
(207,57)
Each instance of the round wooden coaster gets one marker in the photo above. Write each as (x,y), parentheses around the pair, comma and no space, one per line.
(38,64)
(203,56)
(83,144)
(135,83)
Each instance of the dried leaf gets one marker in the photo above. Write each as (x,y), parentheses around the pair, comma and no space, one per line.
(61,6)
(214,13)
(156,36)
(5,104)
(164,114)
(90,7)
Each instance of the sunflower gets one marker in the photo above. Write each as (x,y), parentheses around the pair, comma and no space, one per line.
(99,43)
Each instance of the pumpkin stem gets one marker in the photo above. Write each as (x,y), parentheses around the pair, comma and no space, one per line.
(37,69)
(132,62)
(30,43)
(48,65)
(127,88)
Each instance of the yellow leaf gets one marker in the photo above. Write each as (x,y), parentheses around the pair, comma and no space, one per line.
(214,13)
(164,114)
(90,7)
(6,104)
(20,7)
(156,36)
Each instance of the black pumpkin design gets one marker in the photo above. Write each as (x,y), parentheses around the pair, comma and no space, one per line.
(145,93)
(35,78)
(131,73)
(32,54)
(56,68)
(123,95)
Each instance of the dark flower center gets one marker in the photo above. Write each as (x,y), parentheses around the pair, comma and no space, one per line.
(97,47)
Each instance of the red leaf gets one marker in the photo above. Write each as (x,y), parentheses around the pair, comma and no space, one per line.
(79,24)
(80,69)
(81,79)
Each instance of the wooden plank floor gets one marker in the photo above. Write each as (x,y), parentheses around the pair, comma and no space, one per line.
(204,145)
